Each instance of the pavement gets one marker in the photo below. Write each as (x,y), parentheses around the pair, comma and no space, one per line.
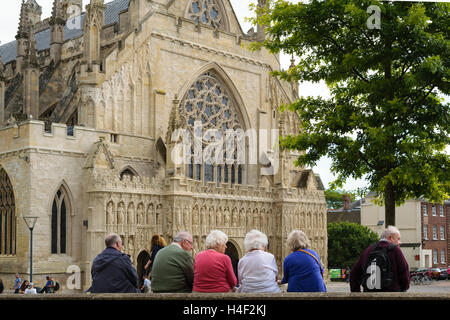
(435,287)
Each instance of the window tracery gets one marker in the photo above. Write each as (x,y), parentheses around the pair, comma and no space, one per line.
(208,102)
(60,222)
(206,12)
(7,216)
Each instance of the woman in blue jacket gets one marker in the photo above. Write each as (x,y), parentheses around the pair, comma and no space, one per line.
(303,271)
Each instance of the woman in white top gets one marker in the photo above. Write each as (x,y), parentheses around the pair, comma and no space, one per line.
(257,270)
(30,289)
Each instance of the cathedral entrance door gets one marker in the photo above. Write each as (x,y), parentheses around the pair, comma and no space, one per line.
(232,252)
(142,260)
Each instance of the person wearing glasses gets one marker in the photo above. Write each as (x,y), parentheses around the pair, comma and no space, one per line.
(112,270)
(173,268)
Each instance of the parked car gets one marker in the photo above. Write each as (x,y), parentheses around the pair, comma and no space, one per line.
(436,274)
(448,272)
(433,273)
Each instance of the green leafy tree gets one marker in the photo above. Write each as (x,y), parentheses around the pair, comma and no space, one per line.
(346,242)
(386,118)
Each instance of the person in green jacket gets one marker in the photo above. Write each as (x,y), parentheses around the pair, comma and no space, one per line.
(173,268)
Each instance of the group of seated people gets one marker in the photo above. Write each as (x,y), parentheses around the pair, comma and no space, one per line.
(212,271)
(28,288)
(173,269)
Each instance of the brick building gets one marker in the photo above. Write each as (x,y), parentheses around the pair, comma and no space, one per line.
(424,227)
(435,219)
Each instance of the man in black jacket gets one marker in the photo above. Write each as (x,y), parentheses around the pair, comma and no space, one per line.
(112,270)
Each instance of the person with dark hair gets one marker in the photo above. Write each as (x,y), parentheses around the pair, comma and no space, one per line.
(2,287)
(49,286)
(24,286)
(112,270)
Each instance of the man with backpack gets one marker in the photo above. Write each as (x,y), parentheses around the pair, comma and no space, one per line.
(382,266)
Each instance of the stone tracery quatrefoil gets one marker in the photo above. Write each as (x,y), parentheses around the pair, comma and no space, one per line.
(206,12)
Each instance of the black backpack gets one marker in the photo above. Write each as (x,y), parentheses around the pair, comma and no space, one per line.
(377,273)
(56,286)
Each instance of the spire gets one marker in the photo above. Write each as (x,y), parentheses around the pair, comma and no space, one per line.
(57,23)
(32,52)
(174,120)
(93,24)
(24,23)
(57,14)
(261,29)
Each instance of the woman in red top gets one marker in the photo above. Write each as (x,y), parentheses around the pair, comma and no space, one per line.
(213,271)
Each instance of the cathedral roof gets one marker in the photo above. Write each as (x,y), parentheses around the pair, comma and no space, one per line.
(113,8)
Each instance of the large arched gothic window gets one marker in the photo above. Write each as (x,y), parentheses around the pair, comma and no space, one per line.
(60,221)
(7,216)
(209,104)
(207,12)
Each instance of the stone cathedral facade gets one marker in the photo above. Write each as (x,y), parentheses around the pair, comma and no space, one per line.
(90,99)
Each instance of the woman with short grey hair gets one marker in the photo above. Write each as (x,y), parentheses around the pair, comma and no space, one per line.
(213,271)
(303,271)
(216,240)
(257,270)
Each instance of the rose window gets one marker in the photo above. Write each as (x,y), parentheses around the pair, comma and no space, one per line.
(208,103)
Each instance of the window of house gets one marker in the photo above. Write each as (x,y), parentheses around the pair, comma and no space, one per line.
(442,256)
(433,210)
(424,210)
(441,211)
(7,216)
(425,232)
(434,233)
(435,256)
(442,232)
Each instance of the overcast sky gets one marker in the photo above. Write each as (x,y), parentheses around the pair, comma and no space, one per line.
(9,19)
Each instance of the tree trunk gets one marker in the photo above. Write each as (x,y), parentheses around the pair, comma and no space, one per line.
(389,200)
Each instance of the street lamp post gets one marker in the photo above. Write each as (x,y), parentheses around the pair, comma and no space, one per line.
(31,222)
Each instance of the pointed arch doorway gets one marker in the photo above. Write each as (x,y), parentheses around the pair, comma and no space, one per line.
(233,253)
(142,260)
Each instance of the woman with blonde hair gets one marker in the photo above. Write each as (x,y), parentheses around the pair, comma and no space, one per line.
(303,271)
(257,270)
(213,271)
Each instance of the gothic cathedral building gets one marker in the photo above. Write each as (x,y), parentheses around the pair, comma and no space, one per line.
(91,100)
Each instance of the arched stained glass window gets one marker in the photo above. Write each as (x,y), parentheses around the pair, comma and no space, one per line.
(207,12)
(7,216)
(59,222)
(209,104)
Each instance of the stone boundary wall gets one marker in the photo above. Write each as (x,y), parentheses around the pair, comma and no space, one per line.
(391,296)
